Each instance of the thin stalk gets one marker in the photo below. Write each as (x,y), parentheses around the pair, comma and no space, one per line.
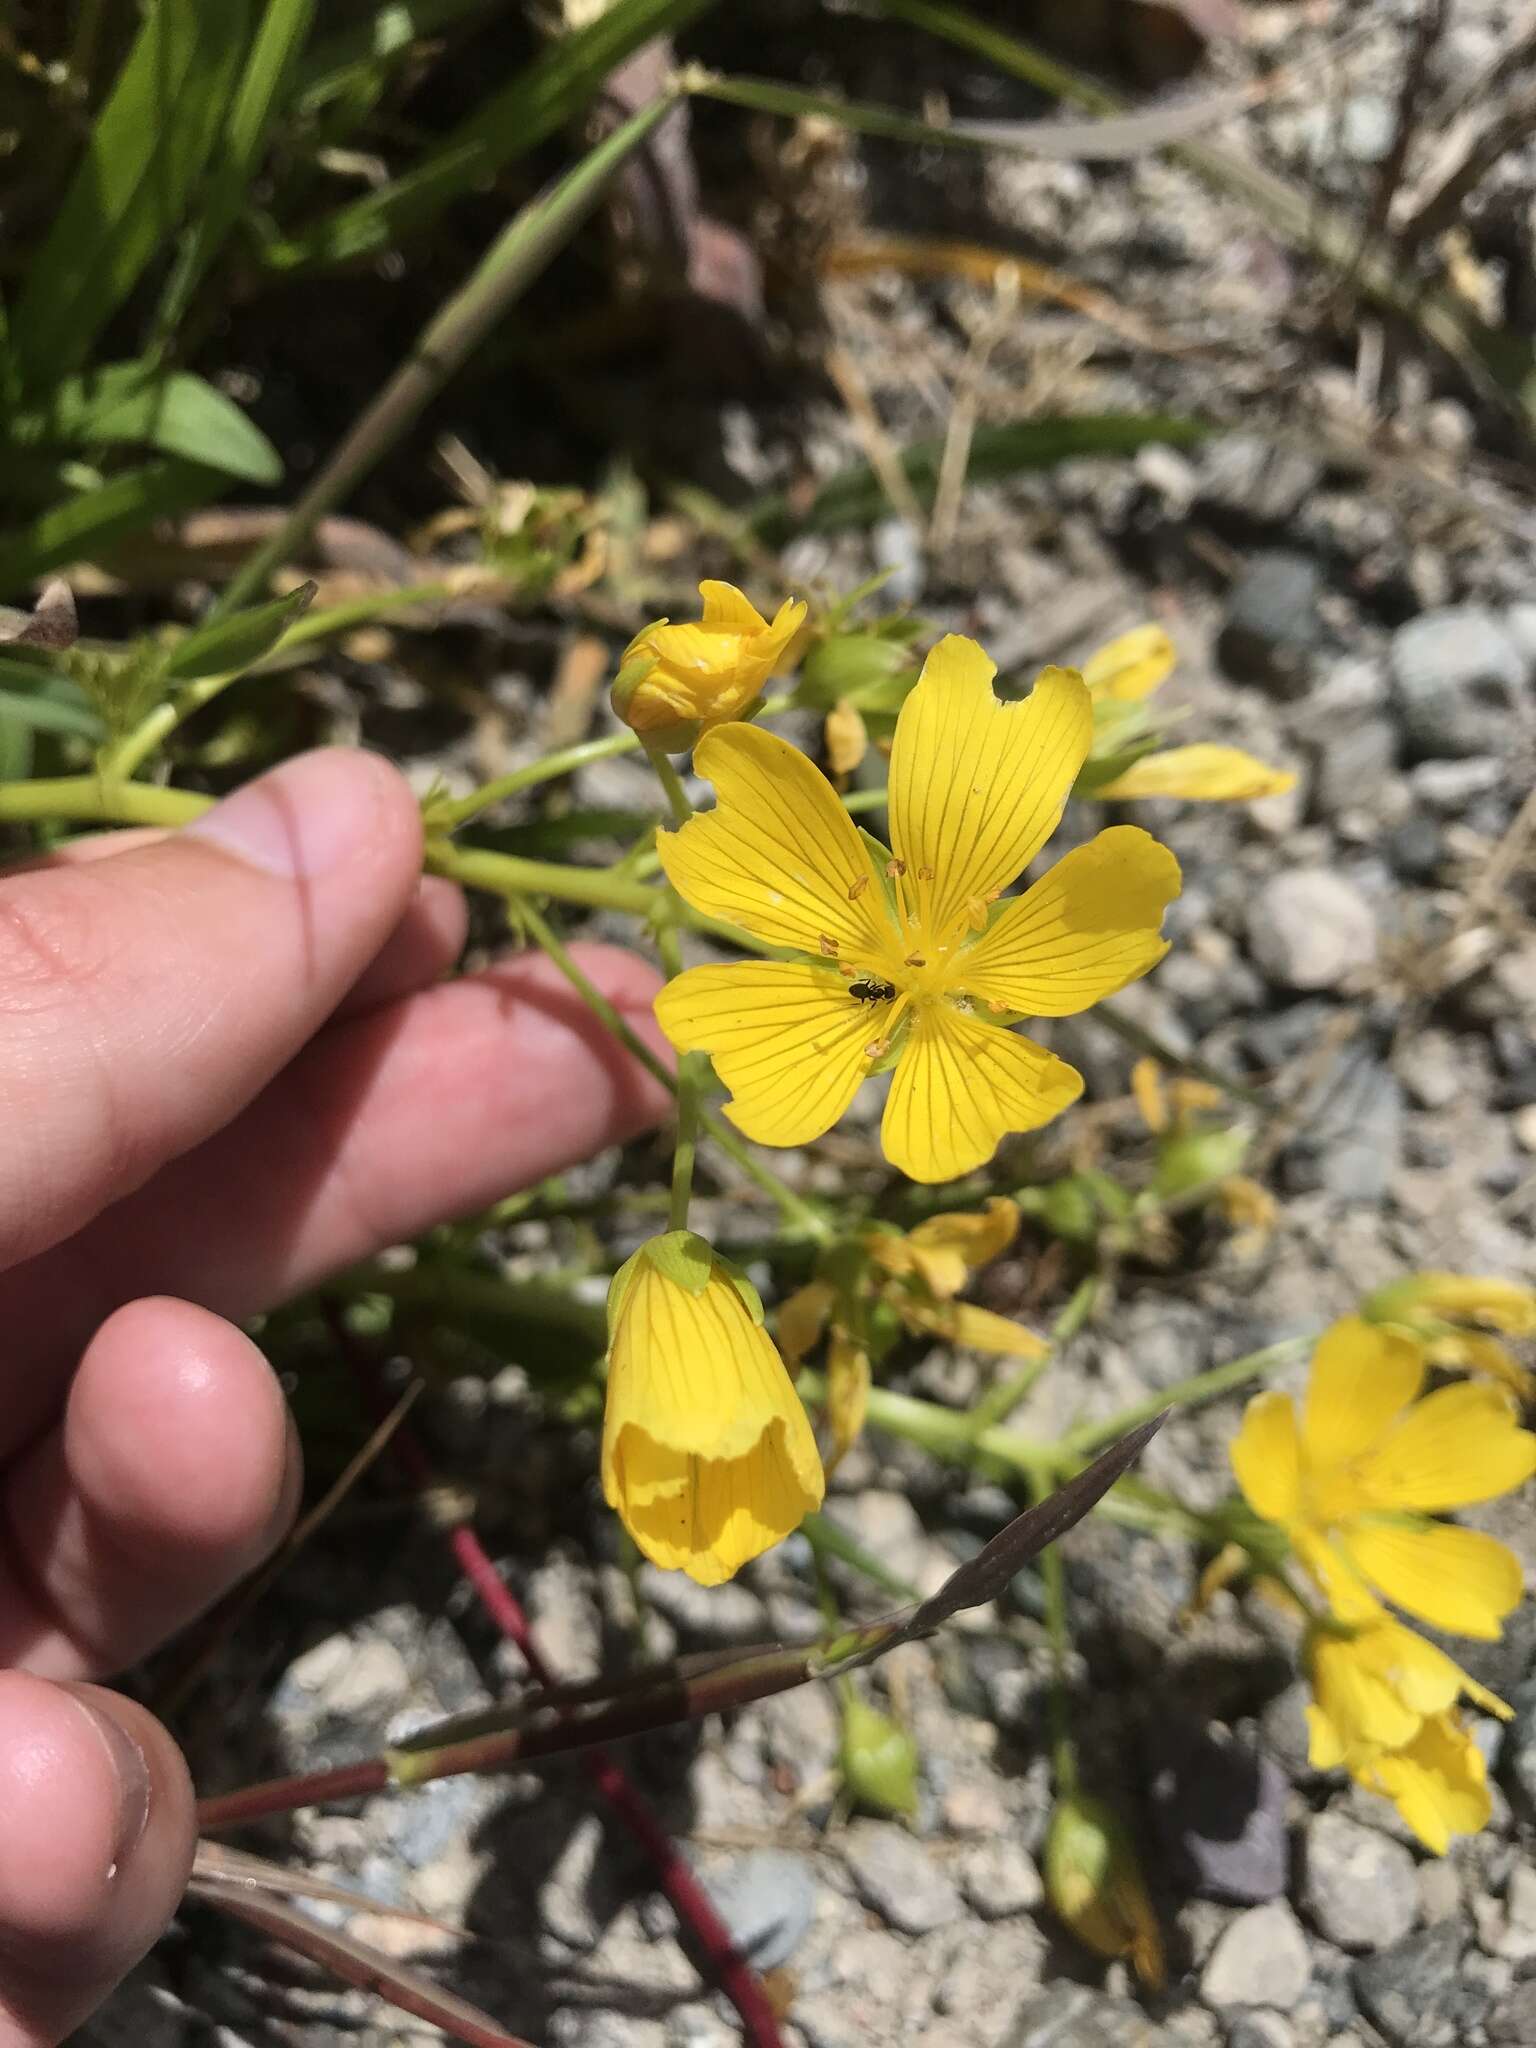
(946,1432)
(448,817)
(690,1082)
(98,800)
(517,256)
(672,783)
(999,1402)
(508,875)
(1201,1386)
(1058,1630)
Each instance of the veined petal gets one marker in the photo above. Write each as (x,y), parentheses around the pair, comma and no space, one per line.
(1458,1445)
(787,1040)
(1202,773)
(728,610)
(1438,1783)
(1081,932)
(1362,1377)
(1132,666)
(1456,1579)
(977,787)
(960,1086)
(779,854)
(802,1317)
(1266,1457)
(978,1329)
(1362,1706)
(947,1248)
(1476,1351)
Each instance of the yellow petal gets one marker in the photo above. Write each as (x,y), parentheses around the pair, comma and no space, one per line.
(1501,1304)
(1147,1091)
(1438,1783)
(1265,1456)
(728,610)
(846,739)
(976,1329)
(1459,1445)
(1081,932)
(1349,1598)
(847,1395)
(801,1319)
(1360,1704)
(1325,1745)
(960,1086)
(708,1455)
(1362,1377)
(1475,1351)
(1456,1579)
(1203,773)
(779,854)
(787,1040)
(970,1237)
(1132,666)
(977,787)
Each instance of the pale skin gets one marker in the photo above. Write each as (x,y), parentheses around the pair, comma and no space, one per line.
(229,1065)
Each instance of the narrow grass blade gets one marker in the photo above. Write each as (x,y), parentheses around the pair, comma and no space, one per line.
(83,525)
(132,190)
(175,412)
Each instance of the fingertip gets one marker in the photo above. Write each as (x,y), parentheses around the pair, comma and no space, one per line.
(315,813)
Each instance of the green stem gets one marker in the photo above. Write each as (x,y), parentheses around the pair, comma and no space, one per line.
(448,817)
(947,1432)
(507,874)
(98,800)
(1058,1631)
(999,1402)
(129,755)
(672,783)
(1201,1386)
(690,1095)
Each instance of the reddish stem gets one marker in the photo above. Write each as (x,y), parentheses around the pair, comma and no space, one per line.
(689,1900)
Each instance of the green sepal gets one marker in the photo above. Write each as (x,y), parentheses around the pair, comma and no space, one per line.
(864,668)
(682,1257)
(879,1759)
(1187,1160)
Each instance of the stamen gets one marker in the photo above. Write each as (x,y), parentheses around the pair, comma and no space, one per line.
(877,1048)
(828,946)
(914,960)
(858,889)
(998,1009)
(925,874)
(895,869)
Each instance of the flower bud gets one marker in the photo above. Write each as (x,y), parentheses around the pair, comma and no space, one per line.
(1095,1885)
(878,1757)
(677,681)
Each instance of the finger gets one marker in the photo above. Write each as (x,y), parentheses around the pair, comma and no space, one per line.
(173,1472)
(93,846)
(429,1109)
(420,950)
(145,999)
(96,1837)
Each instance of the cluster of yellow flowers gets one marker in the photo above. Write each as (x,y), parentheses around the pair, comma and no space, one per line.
(1354,1481)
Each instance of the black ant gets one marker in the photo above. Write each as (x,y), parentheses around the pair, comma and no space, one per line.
(870,989)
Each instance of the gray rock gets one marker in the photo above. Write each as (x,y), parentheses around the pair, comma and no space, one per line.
(1351,1134)
(887,1524)
(897,1877)
(1520,624)
(767,1899)
(1261,1959)
(1431,1069)
(1260,2030)
(1272,630)
(1416,848)
(1518,1756)
(1417,1995)
(1309,928)
(1368,127)
(1071,2016)
(1256,479)
(1358,1887)
(711,1615)
(1355,767)
(1449,787)
(1512,2023)
(1457,676)
(896,549)
(999,1879)
(1219,1809)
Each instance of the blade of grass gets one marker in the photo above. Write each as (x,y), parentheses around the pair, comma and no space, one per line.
(131,191)
(505,126)
(361,52)
(86,523)
(179,414)
(238,149)
(529,241)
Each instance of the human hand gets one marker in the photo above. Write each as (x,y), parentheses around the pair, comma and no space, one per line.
(227,1068)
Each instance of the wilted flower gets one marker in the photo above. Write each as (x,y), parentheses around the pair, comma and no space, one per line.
(1451,1315)
(1121,676)
(929,1265)
(1438,1782)
(905,960)
(701,674)
(1094,1883)
(708,1456)
(1355,1482)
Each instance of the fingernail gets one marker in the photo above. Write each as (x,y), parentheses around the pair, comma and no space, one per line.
(300,820)
(131,1771)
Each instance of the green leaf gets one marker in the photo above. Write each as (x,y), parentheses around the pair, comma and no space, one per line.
(45,702)
(238,642)
(175,412)
(364,50)
(237,151)
(131,192)
(506,125)
(87,523)
(854,496)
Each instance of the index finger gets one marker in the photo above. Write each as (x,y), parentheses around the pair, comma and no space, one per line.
(146,999)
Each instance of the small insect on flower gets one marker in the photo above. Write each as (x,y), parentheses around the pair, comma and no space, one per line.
(920,935)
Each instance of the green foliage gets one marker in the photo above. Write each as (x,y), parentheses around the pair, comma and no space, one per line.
(230,645)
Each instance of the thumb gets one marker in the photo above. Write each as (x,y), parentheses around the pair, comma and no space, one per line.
(96,1840)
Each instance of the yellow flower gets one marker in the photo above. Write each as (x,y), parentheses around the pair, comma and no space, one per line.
(1355,1481)
(1120,676)
(944,1251)
(1438,1782)
(1375,1685)
(702,674)
(904,956)
(708,1456)
(1437,1309)
(848,1381)
(1095,1885)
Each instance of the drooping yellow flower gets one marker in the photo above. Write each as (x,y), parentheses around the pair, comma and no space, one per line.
(932,1262)
(1094,1883)
(708,1456)
(1120,676)
(1356,1480)
(905,958)
(1374,1685)
(1451,1315)
(848,1384)
(1438,1782)
(705,672)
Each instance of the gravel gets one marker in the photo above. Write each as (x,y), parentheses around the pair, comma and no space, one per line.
(1458,676)
(897,1877)
(1358,1888)
(1309,928)
(1260,1959)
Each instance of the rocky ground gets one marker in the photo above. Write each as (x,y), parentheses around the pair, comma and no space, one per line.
(1363,948)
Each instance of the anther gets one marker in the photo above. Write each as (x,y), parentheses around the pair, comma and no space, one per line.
(895,869)
(925,874)
(914,960)
(877,1048)
(828,946)
(998,1009)
(858,889)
